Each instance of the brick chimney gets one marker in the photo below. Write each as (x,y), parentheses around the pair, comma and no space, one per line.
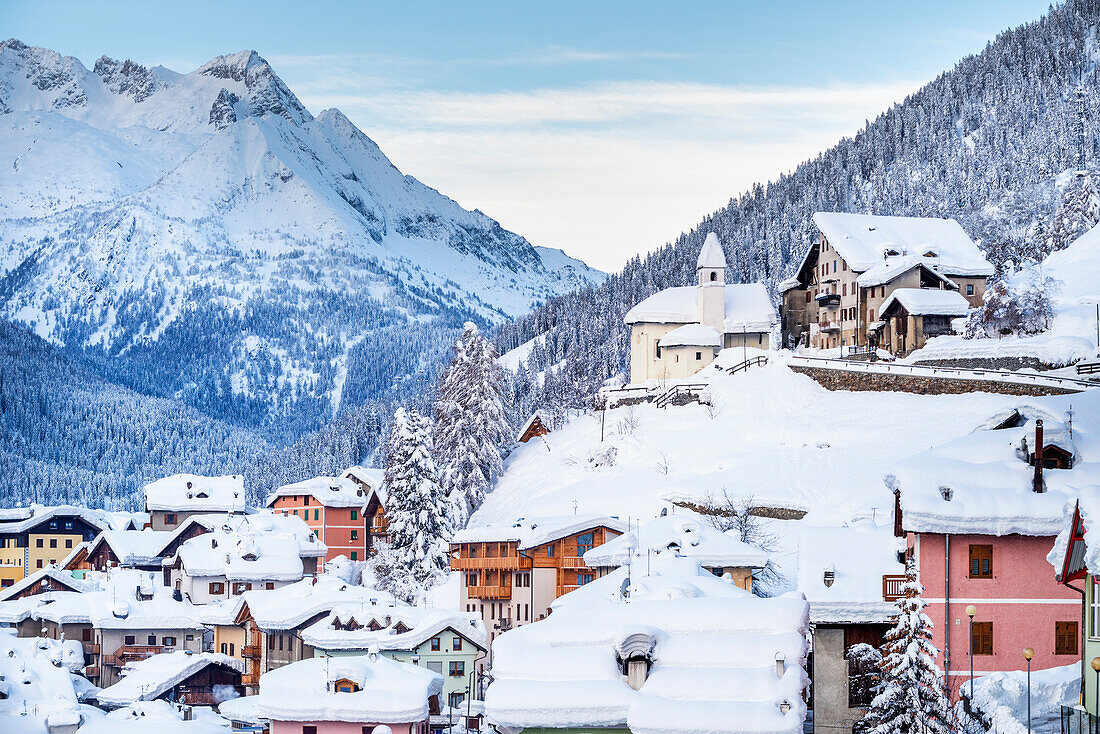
(1037,482)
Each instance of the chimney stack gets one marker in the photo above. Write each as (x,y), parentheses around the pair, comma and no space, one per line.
(1037,483)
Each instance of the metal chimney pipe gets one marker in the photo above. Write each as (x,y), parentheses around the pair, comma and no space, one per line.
(1037,483)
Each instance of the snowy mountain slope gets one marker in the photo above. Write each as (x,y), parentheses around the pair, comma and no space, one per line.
(777,436)
(214,201)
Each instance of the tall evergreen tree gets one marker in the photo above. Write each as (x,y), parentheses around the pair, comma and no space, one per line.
(418,525)
(471,427)
(912,698)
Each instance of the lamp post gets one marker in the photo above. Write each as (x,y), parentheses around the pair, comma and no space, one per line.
(971,610)
(1028,655)
(1096,698)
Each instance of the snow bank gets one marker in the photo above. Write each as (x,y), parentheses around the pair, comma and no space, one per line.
(1002,698)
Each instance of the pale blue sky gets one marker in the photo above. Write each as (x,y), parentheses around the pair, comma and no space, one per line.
(602,128)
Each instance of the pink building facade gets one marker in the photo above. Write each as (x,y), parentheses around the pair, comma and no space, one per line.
(343,727)
(1018,601)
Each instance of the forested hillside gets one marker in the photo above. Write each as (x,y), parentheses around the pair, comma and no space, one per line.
(992,143)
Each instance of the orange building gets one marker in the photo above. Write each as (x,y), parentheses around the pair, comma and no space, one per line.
(513,572)
(335,508)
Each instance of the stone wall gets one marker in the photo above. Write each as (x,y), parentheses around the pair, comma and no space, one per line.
(834,379)
(991,363)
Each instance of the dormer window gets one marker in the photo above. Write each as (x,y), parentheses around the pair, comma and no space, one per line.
(401,628)
(202,495)
(931,253)
(345,685)
(891,253)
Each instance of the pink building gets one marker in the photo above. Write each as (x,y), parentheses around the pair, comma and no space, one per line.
(980,519)
(357,694)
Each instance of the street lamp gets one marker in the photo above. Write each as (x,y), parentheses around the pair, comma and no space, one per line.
(1028,655)
(971,610)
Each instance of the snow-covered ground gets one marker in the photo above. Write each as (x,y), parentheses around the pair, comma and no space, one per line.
(1003,697)
(771,434)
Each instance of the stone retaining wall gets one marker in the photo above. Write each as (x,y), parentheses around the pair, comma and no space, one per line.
(991,363)
(833,379)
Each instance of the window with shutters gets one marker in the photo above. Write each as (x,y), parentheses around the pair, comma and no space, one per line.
(981,639)
(981,561)
(1065,638)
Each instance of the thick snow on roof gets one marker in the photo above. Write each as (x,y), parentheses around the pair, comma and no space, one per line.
(264,547)
(692,335)
(162,717)
(194,493)
(22,519)
(863,240)
(714,650)
(145,680)
(892,267)
(693,537)
(291,605)
(114,604)
(134,547)
(37,682)
(747,304)
(59,580)
(927,302)
(711,255)
(390,692)
(423,623)
(857,556)
(535,531)
(329,491)
(988,481)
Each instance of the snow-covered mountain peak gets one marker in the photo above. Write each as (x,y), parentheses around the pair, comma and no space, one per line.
(193,199)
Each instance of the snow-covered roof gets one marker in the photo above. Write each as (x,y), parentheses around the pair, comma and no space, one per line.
(291,605)
(263,547)
(116,603)
(927,302)
(695,539)
(789,284)
(853,558)
(423,623)
(22,519)
(892,267)
(145,680)
(711,255)
(367,475)
(162,717)
(989,481)
(133,547)
(691,335)
(748,305)
(37,682)
(712,645)
(194,493)
(389,692)
(864,240)
(59,581)
(536,416)
(535,531)
(329,491)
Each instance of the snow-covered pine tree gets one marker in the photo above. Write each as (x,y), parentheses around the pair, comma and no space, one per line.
(471,428)
(912,698)
(1080,212)
(418,547)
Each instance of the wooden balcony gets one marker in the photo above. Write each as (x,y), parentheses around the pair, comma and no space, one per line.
(828,326)
(250,652)
(91,648)
(570,562)
(250,679)
(566,588)
(129,653)
(503,563)
(91,671)
(489,592)
(892,587)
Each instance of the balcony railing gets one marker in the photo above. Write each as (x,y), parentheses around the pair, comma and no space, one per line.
(91,648)
(828,326)
(489,592)
(250,652)
(573,562)
(566,588)
(511,563)
(91,671)
(892,587)
(129,653)
(250,679)
(828,299)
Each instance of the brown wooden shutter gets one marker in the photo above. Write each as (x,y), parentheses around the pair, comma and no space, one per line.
(982,640)
(981,562)
(1065,638)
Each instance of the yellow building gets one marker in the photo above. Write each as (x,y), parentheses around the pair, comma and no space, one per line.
(32,538)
